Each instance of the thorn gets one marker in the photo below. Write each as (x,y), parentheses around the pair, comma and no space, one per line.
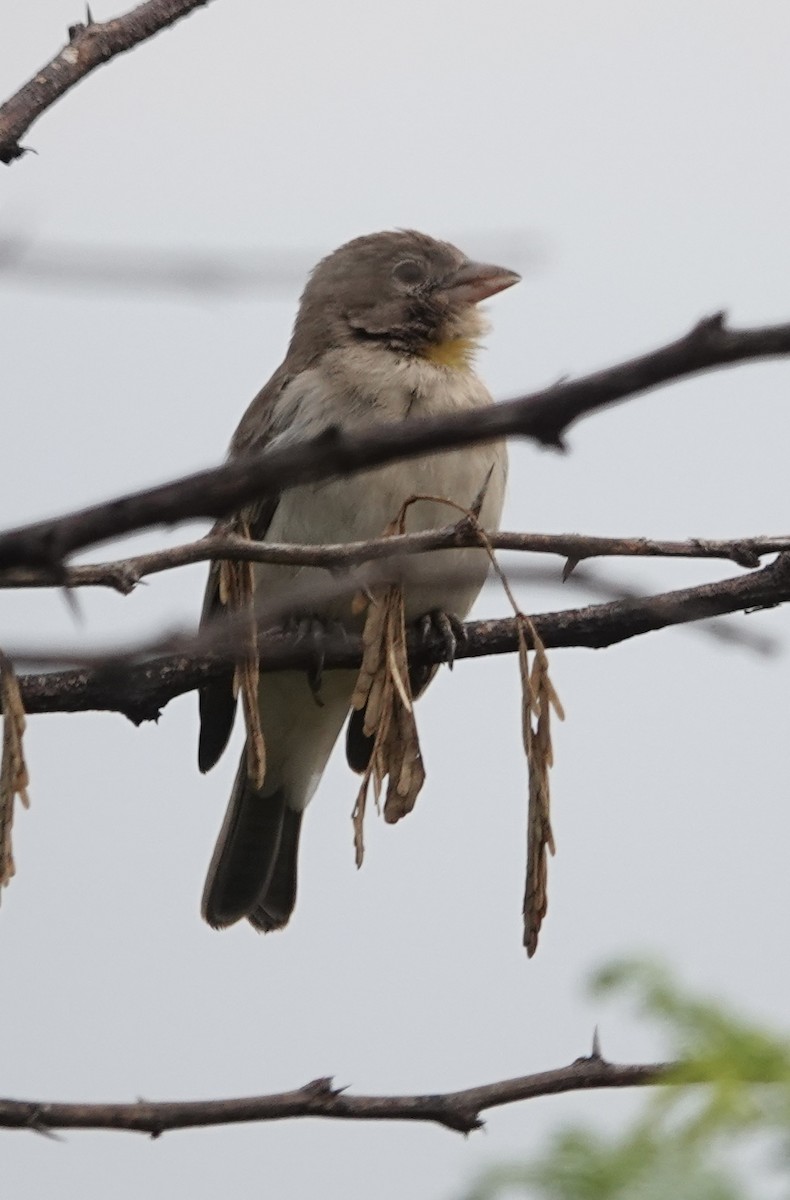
(481,495)
(324,1087)
(595,1056)
(570,566)
(50,1134)
(715,323)
(73,605)
(35,1124)
(77,28)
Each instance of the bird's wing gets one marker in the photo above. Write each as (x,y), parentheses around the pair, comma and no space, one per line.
(217,699)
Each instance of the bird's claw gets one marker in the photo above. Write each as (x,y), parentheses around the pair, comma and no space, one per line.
(446,626)
(315,630)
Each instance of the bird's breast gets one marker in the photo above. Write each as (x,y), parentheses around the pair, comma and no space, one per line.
(362,506)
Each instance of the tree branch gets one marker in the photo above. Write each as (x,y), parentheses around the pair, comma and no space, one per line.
(124,574)
(88,47)
(139,690)
(543,416)
(454,1110)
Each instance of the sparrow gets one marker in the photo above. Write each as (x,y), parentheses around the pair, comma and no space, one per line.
(387,330)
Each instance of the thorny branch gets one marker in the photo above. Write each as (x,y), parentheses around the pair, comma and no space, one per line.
(543,416)
(89,46)
(140,690)
(124,574)
(454,1110)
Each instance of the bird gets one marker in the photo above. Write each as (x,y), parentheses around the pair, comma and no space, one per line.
(387,330)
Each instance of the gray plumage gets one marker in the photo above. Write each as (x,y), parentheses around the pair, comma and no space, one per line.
(386,331)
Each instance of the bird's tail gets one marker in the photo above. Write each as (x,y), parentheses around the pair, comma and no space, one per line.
(253,869)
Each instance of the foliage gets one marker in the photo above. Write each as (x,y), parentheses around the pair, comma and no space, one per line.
(686,1137)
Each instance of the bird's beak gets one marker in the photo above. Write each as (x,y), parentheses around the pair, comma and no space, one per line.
(476,281)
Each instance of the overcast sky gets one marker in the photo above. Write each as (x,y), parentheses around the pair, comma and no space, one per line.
(632,161)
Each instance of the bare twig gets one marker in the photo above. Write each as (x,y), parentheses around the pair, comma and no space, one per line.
(543,416)
(141,690)
(89,46)
(124,574)
(458,1111)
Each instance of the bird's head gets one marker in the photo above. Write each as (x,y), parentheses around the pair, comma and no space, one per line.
(403,290)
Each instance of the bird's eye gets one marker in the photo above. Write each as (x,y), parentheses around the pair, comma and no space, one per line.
(409,271)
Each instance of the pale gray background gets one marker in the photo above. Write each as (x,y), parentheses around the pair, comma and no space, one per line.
(640,151)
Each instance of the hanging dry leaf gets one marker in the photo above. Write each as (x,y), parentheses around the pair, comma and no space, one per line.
(383,691)
(237,593)
(538,699)
(13,769)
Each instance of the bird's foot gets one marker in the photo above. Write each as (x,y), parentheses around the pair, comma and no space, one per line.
(316,631)
(446,626)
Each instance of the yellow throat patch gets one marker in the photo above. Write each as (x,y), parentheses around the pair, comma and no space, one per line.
(455,352)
